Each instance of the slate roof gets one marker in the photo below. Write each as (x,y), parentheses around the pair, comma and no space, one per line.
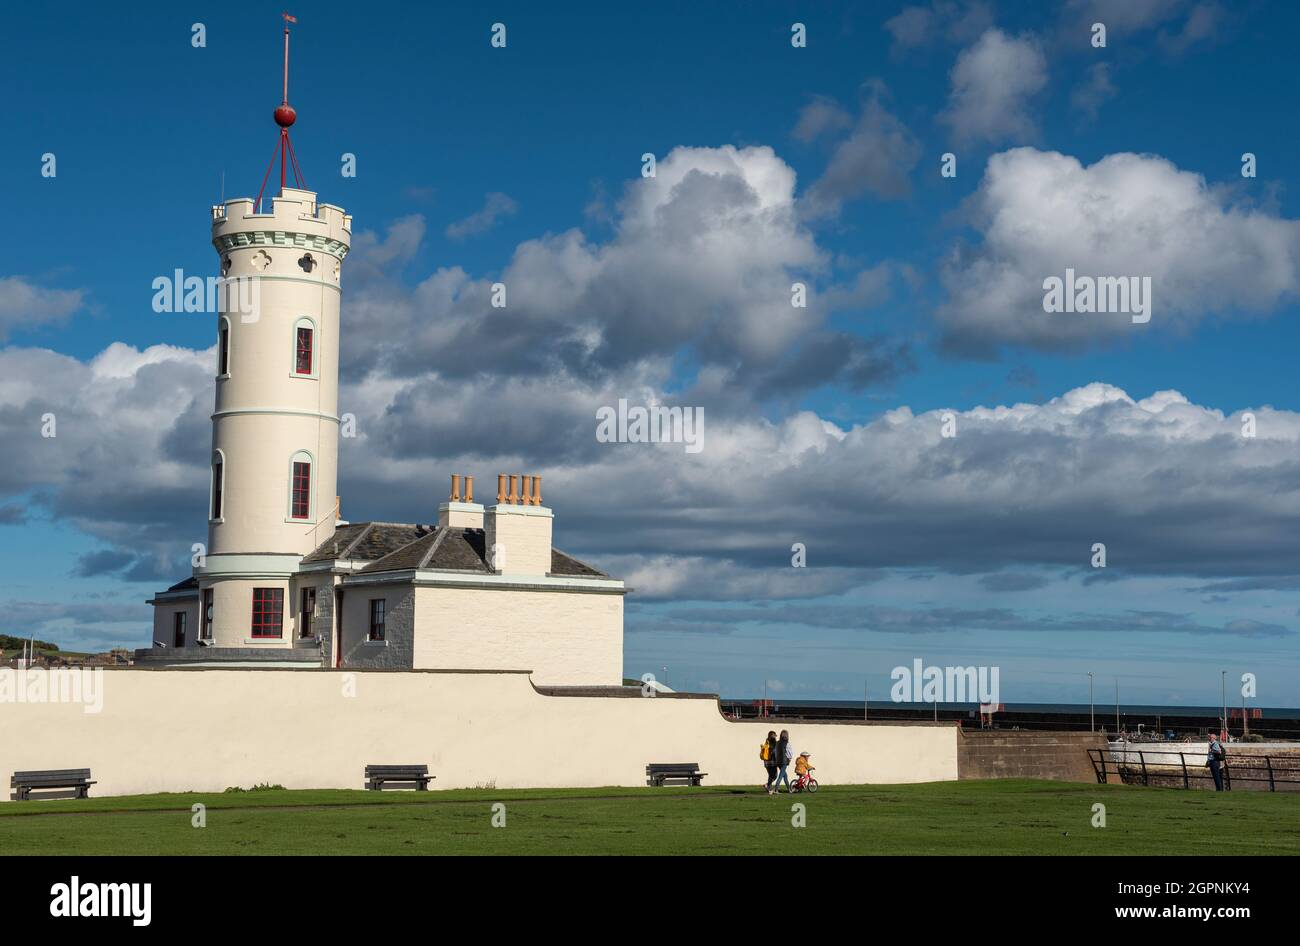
(367,541)
(570,567)
(389,547)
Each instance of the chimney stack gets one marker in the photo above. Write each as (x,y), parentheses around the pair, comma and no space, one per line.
(518,528)
(458,513)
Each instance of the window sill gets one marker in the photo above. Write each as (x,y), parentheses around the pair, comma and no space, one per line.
(370,643)
(216,522)
(263,640)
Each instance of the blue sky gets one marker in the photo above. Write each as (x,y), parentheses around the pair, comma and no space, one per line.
(902,540)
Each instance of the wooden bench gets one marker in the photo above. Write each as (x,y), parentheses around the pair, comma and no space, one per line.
(659,774)
(51,783)
(379,777)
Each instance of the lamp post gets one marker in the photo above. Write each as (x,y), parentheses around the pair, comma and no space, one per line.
(1223,693)
(1092,707)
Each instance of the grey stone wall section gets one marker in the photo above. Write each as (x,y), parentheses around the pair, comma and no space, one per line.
(399,627)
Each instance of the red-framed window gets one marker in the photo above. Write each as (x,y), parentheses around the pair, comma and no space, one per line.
(205,619)
(178,629)
(305,611)
(303,363)
(376,619)
(217,470)
(223,357)
(268,612)
(300,508)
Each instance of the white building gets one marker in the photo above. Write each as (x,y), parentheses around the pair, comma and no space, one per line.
(285,581)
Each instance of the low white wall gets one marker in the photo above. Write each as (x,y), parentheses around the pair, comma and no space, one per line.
(204,730)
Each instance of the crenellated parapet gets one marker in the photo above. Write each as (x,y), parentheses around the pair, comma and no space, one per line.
(296,220)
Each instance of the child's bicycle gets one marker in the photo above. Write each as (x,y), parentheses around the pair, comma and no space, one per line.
(804,783)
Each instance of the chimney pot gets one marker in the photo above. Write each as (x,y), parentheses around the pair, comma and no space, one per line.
(513,498)
(537,490)
(469,488)
(501,487)
(526,490)
(455,488)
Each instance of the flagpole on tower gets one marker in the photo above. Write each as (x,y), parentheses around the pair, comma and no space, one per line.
(285,116)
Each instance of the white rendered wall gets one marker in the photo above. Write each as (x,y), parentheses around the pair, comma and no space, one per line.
(205,730)
(566,638)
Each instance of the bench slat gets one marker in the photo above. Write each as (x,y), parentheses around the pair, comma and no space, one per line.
(396,769)
(66,773)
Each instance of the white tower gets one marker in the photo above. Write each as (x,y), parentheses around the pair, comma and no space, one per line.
(272,497)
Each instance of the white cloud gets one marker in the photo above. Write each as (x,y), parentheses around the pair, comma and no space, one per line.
(1095,90)
(127,462)
(24,304)
(1170,486)
(496,206)
(953,21)
(993,84)
(699,265)
(1039,212)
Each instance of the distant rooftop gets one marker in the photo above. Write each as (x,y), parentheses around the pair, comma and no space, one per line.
(395,546)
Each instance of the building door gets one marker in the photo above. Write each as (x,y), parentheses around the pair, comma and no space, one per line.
(205,619)
(178,629)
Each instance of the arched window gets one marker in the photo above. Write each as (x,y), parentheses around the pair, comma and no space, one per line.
(218,484)
(300,495)
(223,348)
(304,348)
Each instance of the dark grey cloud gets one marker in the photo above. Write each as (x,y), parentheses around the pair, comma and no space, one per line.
(944,620)
(876,157)
(1013,581)
(12,514)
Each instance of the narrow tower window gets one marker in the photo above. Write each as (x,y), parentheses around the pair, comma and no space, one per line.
(377,619)
(268,612)
(300,500)
(303,363)
(218,474)
(223,349)
(178,630)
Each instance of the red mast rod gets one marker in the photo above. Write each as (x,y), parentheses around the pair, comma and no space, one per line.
(285,116)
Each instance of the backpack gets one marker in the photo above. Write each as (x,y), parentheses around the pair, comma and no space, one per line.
(765,752)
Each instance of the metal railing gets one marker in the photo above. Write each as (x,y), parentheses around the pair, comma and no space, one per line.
(1168,768)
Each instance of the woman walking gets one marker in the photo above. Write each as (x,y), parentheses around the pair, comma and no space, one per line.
(767,752)
(783,754)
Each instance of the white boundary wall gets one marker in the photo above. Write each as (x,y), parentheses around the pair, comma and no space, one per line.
(207,729)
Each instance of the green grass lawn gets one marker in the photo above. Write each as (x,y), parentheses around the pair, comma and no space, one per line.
(994,817)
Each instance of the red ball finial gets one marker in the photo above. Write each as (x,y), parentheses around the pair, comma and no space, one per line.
(285,115)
